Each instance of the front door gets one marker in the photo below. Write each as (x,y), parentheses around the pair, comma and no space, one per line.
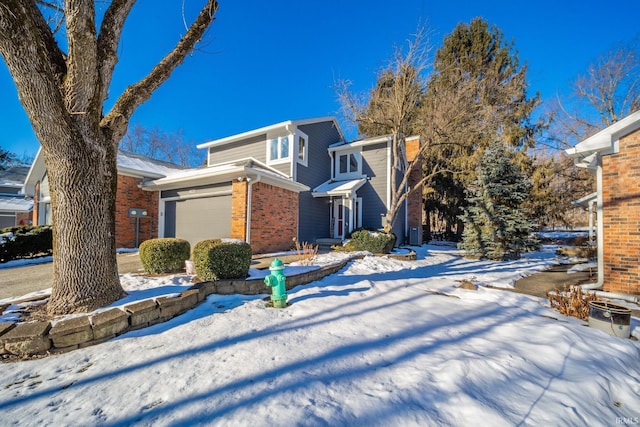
(338,219)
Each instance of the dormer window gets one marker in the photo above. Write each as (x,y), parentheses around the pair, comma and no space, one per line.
(348,165)
(279,149)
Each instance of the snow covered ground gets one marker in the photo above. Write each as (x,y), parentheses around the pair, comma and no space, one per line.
(382,342)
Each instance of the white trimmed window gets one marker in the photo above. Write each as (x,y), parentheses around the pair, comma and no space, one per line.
(279,149)
(302,148)
(348,164)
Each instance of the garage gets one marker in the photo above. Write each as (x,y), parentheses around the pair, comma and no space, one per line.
(197,219)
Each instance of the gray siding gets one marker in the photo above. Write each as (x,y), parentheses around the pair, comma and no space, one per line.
(315,214)
(251,147)
(374,192)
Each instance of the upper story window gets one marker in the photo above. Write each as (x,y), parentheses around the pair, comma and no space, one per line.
(348,164)
(278,149)
(302,148)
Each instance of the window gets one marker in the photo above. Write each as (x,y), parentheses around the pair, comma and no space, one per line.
(348,164)
(284,147)
(302,149)
(278,149)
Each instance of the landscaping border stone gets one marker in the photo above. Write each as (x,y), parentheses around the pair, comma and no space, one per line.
(23,340)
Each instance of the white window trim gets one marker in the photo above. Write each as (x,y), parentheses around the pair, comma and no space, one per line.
(349,174)
(279,160)
(305,160)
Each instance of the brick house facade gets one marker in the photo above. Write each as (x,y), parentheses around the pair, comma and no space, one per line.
(133,169)
(273,216)
(621,212)
(613,155)
(129,195)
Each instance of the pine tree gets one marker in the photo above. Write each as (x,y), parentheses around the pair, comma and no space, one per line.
(476,95)
(496,226)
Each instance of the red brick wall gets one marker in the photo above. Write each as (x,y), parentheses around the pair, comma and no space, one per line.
(274,218)
(621,204)
(239,210)
(23,218)
(130,196)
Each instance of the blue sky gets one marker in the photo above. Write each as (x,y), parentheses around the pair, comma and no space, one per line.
(263,62)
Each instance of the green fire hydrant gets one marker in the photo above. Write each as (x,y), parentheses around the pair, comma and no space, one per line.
(276,281)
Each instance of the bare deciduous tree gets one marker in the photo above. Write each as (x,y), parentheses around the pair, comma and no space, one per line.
(160,145)
(63,93)
(606,93)
(392,108)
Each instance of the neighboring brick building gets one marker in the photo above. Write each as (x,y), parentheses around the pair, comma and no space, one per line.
(613,154)
(132,170)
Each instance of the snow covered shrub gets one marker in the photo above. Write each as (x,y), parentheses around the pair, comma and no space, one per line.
(217,259)
(377,242)
(25,242)
(166,255)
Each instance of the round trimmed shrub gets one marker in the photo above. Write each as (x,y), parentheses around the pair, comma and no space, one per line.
(217,259)
(165,255)
(377,242)
(25,242)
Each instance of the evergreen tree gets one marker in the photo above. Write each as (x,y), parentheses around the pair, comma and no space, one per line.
(496,226)
(476,95)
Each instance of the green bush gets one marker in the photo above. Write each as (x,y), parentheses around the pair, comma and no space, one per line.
(377,242)
(25,242)
(166,255)
(217,259)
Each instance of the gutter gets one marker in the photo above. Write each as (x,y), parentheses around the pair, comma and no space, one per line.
(250,182)
(595,288)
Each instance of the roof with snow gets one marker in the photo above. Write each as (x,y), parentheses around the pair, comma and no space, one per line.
(338,188)
(14,176)
(10,203)
(239,169)
(145,166)
(127,163)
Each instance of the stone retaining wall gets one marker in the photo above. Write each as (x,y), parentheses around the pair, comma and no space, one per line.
(45,338)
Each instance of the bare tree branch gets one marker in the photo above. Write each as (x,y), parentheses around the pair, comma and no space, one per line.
(35,62)
(82,61)
(108,40)
(117,119)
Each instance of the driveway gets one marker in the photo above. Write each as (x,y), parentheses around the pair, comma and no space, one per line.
(18,281)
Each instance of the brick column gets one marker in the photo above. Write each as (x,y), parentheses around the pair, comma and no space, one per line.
(239,191)
(415,206)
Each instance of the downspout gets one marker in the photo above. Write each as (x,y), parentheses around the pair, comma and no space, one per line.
(249,197)
(593,287)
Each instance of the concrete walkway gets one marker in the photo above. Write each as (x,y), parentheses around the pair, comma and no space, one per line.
(19,281)
(539,284)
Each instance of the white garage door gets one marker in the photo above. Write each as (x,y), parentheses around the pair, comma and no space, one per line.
(198,219)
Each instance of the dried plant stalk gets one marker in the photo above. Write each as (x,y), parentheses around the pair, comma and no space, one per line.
(306,251)
(572,302)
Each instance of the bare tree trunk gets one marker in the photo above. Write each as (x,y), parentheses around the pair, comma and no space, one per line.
(63,94)
(83,190)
